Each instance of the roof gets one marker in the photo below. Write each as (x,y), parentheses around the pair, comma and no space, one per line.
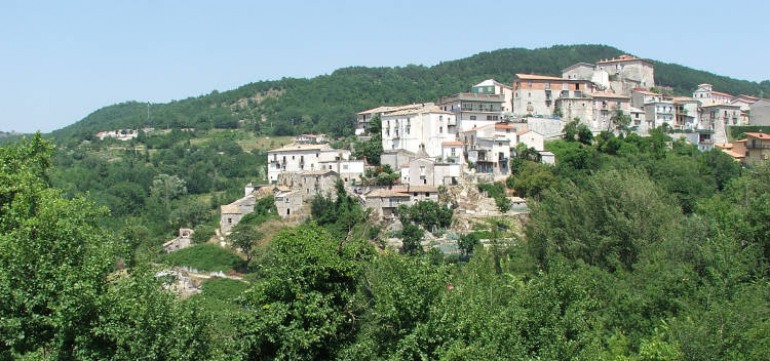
(577,65)
(539,77)
(426,109)
(761,136)
(622,59)
(684,100)
(423,189)
(295,147)
(635,110)
(714,92)
(608,95)
(392,108)
(318,172)
(645,92)
(231,208)
(451,143)
(734,154)
(385,193)
(721,105)
(504,126)
(522,132)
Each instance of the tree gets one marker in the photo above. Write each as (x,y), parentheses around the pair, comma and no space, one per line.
(302,299)
(620,121)
(167,187)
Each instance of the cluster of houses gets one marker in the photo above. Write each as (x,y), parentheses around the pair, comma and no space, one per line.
(472,136)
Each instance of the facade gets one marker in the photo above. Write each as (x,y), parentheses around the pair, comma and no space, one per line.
(396,159)
(604,107)
(760,112)
(365,117)
(532,139)
(348,170)
(289,203)
(472,110)
(638,118)
(231,214)
(724,113)
(423,193)
(417,130)
(489,147)
(755,148)
(183,241)
(658,113)
(537,94)
(301,157)
(686,115)
(452,151)
(384,202)
(428,172)
(630,69)
(706,95)
(491,86)
(310,183)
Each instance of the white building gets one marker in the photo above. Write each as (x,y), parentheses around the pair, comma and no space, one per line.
(417,130)
(365,117)
(472,110)
(491,86)
(300,157)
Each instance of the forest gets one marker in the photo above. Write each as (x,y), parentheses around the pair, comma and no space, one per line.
(328,103)
(635,248)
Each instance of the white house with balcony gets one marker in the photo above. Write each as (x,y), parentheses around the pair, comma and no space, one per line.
(418,130)
(301,157)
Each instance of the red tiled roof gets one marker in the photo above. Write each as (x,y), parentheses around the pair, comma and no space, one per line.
(761,136)
(451,143)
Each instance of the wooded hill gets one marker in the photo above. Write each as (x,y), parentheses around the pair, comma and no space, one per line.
(328,103)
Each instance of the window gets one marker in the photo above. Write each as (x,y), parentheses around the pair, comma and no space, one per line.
(473,117)
(440,130)
(229,221)
(453,152)
(345,167)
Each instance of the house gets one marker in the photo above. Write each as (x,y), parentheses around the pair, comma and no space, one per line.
(183,241)
(473,109)
(310,183)
(365,117)
(452,151)
(755,147)
(396,159)
(537,94)
(628,69)
(604,107)
(299,157)
(231,214)
(728,148)
(547,158)
(429,172)
(423,193)
(491,86)
(348,170)
(658,112)
(638,118)
(532,139)
(686,115)
(288,203)
(384,202)
(706,95)
(489,147)
(418,129)
(724,113)
(760,112)
(745,102)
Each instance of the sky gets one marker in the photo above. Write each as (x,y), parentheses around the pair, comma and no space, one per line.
(62,60)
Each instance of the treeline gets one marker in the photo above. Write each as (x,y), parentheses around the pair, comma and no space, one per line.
(635,249)
(328,103)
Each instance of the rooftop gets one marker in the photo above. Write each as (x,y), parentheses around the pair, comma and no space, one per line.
(426,109)
(760,136)
(608,95)
(622,59)
(385,193)
(423,189)
(295,146)
(540,77)
(451,143)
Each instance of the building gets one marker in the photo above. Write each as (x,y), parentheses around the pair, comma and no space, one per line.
(183,241)
(423,193)
(452,151)
(300,157)
(429,172)
(706,95)
(421,129)
(755,148)
(724,113)
(310,183)
(531,139)
(289,203)
(760,112)
(231,214)
(604,107)
(489,147)
(491,86)
(686,115)
(537,94)
(630,70)
(588,71)
(472,110)
(365,117)
(659,112)
(384,202)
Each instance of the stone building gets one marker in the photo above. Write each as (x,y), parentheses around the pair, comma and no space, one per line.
(537,95)
(289,203)
(310,183)
(630,71)
(301,157)
(384,202)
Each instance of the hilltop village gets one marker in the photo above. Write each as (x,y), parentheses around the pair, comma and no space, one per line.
(439,150)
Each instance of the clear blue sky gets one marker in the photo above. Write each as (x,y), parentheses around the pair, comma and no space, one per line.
(61,60)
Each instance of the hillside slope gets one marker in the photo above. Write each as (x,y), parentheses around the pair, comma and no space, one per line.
(328,103)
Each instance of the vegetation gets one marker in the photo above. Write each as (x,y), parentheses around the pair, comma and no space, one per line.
(206,257)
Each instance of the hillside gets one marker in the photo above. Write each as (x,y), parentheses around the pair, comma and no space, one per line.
(328,103)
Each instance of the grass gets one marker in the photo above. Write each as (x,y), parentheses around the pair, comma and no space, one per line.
(206,257)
